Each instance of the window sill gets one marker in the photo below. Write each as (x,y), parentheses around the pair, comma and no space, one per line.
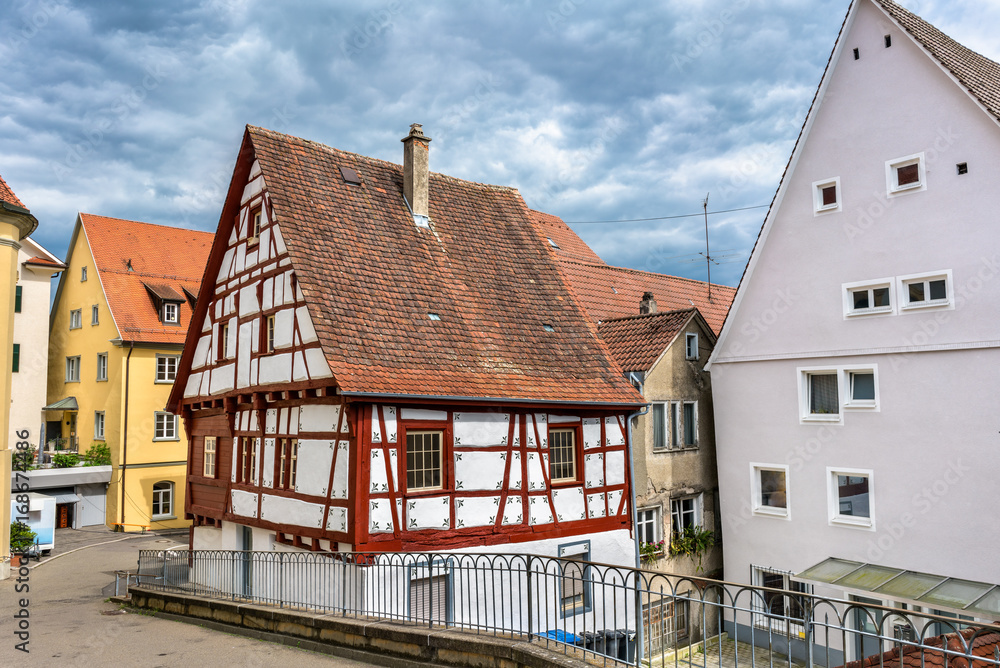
(883,310)
(162,518)
(833,418)
(166,440)
(163,382)
(768,511)
(861,407)
(72,381)
(853,523)
(908,188)
(943,303)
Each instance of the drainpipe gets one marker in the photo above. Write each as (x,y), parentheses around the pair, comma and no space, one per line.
(128,359)
(635,535)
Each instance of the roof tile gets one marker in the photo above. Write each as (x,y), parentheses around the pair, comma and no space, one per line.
(7,195)
(638,341)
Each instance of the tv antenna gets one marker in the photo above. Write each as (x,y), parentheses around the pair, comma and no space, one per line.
(708,257)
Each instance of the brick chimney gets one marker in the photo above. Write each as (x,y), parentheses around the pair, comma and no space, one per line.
(416,148)
(648,304)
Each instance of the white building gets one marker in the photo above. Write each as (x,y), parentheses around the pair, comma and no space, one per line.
(36,267)
(856,376)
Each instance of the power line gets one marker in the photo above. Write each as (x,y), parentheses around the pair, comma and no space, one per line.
(645,220)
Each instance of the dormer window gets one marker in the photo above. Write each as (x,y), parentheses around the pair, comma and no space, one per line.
(171,313)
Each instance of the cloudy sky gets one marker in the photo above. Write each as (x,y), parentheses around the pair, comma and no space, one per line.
(596,111)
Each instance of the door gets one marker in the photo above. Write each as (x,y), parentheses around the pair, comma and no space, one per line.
(867,621)
(64,516)
(246,563)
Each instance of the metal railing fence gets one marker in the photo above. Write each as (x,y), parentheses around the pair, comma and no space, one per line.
(615,614)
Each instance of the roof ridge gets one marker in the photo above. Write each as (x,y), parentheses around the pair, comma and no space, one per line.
(642,271)
(140,222)
(639,316)
(385,163)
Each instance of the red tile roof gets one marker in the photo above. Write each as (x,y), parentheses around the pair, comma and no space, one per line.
(371,278)
(931,655)
(614,292)
(44,261)
(7,195)
(979,74)
(638,341)
(167,256)
(568,245)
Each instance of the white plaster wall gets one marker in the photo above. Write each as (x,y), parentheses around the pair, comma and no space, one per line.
(932,444)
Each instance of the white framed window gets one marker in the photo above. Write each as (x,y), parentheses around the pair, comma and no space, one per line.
(98,425)
(76,319)
(826,196)
(869,297)
(860,387)
(256,213)
(165,426)
(269,334)
(223,341)
(163,500)
(102,367)
(73,369)
(95,315)
(648,524)
(905,175)
(658,414)
(685,512)
(691,346)
(851,493)
(769,490)
(819,395)
(208,467)
(166,368)
(575,595)
(919,291)
(779,612)
(689,424)
(171,312)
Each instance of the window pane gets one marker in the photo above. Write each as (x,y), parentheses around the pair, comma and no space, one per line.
(659,426)
(861,299)
(674,435)
(823,399)
(938,290)
(689,425)
(772,489)
(829,195)
(863,386)
(881,296)
(852,492)
(908,174)
(423,460)
(916,292)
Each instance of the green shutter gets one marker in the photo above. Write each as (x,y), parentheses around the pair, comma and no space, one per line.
(17,299)
(15,363)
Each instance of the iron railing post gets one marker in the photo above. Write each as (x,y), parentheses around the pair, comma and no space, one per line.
(807,608)
(531,589)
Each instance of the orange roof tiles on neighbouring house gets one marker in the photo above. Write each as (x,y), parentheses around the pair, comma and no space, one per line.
(7,195)
(129,256)
(638,341)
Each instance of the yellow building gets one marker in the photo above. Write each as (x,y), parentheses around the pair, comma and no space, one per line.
(118,325)
(16,223)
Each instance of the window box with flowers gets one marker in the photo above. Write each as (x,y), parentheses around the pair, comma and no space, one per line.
(650,552)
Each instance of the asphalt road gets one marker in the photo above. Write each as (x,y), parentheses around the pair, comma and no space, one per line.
(71,624)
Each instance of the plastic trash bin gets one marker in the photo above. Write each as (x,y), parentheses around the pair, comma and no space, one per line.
(610,642)
(626,645)
(562,636)
(593,642)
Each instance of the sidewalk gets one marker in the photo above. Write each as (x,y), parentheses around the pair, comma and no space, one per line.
(70,540)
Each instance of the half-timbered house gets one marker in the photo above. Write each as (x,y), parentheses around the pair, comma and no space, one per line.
(387,359)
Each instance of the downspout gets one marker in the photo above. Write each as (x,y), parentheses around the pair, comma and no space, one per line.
(635,535)
(128,359)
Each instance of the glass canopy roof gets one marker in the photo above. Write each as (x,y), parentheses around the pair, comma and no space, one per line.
(981,599)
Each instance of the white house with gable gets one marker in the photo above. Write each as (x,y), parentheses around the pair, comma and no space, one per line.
(856,377)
